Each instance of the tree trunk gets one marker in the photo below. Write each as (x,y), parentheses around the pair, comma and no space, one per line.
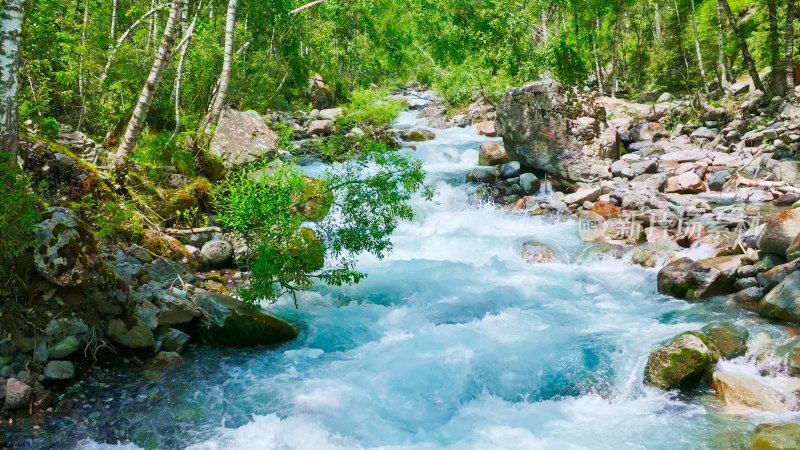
(136,123)
(778,79)
(789,64)
(10,36)
(179,75)
(723,72)
(697,49)
(596,58)
(657,23)
(748,60)
(680,33)
(113,20)
(225,78)
(615,55)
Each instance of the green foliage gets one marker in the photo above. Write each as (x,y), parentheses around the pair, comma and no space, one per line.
(111,219)
(371,107)
(460,82)
(49,127)
(272,206)
(19,213)
(156,150)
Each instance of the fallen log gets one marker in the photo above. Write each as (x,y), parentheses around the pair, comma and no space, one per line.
(184,232)
(781,186)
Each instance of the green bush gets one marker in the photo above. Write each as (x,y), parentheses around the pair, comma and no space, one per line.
(19,212)
(273,207)
(371,107)
(49,127)
(157,150)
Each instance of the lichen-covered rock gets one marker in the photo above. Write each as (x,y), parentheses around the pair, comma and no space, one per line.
(59,371)
(779,232)
(242,137)
(730,339)
(231,325)
(132,336)
(793,252)
(783,302)
(534,252)
(492,154)
(17,394)
(681,362)
(546,128)
(769,436)
(66,251)
(695,280)
(217,252)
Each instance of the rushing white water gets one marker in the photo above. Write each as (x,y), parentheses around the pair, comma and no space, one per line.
(454,342)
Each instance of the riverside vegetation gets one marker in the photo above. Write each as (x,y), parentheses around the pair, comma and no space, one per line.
(169,169)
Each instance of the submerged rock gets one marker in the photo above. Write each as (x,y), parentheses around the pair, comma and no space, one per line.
(165,360)
(229,324)
(769,436)
(681,362)
(534,252)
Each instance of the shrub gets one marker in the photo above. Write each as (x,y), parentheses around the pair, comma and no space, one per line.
(371,107)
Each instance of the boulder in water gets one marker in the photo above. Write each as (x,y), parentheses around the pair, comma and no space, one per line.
(730,339)
(681,362)
(492,154)
(779,232)
(540,127)
(783,302)
(695,280)
(173,340)
(486,129)
(534,252)
(417,135)
(231,325)
(165,360)
(740,392)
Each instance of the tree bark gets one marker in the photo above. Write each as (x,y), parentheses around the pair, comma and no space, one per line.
(778,79)
(748,60)
(789,63)
(113,34)
(598,74)
(136,123)
(179,75)
(615,55)
(227,64)
(723,72)
(306,6)
(697,49)
(10,36)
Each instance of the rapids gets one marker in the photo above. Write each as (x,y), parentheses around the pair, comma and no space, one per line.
(452,341)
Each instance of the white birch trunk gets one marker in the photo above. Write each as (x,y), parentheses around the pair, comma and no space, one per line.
(723,71)
(789,52)
(697,49)
(113,34)
(227,65)
(10,36)
(136,123)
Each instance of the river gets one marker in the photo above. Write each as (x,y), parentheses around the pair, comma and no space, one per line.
(452,341)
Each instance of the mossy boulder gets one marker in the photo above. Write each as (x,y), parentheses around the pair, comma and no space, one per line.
(130,334)
(417,135)
(66,251)
(768,436)
(681,362)
(229,324)
(730,339)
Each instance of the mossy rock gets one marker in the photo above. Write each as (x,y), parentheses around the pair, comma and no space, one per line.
(681,362)
(730,339)
(769,436)
(231,325)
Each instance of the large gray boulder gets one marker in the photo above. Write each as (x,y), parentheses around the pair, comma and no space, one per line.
(66,252)
(242,137)
(548,129)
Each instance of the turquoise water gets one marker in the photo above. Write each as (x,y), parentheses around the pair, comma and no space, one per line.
(451,342)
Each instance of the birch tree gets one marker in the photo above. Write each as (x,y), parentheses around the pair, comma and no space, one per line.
(136,122)
(789,64)
(723,72)
(212,119)
(778,79)
(697,49)
(10,35)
